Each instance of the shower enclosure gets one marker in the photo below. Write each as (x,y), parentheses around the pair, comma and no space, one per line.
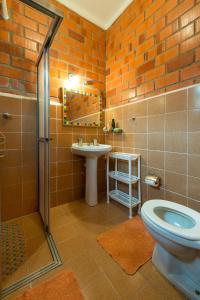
(43,137)
(26,238)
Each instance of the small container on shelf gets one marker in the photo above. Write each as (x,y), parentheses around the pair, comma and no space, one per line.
(117,130)
(126,199)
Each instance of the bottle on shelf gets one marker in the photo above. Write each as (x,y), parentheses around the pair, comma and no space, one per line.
(113,124)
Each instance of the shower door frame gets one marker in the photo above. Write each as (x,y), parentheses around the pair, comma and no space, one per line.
(43,139)
(57,18)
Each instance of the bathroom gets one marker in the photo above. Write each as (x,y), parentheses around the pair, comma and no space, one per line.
(130,70)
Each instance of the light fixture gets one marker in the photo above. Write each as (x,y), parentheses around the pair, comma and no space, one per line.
(73,82)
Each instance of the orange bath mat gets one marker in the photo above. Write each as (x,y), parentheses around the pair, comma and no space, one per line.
(62,287)
(129,244)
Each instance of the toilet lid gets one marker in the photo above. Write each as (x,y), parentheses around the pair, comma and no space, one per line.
(149,211)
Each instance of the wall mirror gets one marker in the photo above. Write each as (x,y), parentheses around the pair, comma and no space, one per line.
(82,108)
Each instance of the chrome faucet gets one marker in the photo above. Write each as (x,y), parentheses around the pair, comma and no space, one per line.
(95,143)
(80,141)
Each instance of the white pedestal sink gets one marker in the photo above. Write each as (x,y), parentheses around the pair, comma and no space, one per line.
(91,153)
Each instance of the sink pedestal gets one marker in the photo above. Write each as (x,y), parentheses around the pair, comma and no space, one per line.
(91,181)
(91,153)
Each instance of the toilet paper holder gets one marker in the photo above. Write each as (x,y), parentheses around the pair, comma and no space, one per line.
(153,180)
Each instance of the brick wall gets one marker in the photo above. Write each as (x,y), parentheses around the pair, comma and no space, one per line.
(78,48)
(20,40)
(153,47)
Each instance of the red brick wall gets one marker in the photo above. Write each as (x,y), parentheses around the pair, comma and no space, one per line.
(20,40)
(153,47)
(79,48)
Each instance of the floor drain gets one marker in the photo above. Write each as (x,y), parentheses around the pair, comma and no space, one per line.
(197,292)
(13,247)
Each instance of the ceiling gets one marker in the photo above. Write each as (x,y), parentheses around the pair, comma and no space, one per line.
(100,12)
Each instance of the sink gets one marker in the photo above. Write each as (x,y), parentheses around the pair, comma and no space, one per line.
(91,153)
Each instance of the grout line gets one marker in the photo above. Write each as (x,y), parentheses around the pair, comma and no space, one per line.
(22,181)
(189,198)
(187,140)
(185,196)
(108,278)
(156,96)
(147,164)
(172,172)
(154,132)
(20,97)
(164,146)
(56,108)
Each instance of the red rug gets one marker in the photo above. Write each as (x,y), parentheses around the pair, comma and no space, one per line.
(62,287)
(129,244)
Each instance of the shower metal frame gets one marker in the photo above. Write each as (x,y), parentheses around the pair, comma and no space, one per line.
(57,17)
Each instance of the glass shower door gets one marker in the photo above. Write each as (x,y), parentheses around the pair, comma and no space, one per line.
(43,137)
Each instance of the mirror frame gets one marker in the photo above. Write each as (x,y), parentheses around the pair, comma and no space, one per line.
(79,124)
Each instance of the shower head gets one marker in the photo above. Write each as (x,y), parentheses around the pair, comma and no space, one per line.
(5,15)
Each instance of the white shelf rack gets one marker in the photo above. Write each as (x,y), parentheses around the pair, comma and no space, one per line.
(125,199)
(123,177)
(124,156)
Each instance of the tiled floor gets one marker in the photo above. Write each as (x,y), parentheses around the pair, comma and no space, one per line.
(37,253)
(75,227)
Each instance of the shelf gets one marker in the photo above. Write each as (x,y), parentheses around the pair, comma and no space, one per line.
(123,198)
(123,177)
(124,156)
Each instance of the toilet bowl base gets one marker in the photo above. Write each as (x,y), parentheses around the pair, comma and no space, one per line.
(181,274)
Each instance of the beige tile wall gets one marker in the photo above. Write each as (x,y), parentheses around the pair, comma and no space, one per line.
(166,131)
(18,167)
(67,170)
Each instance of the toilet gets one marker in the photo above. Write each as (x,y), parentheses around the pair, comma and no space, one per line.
(176,229)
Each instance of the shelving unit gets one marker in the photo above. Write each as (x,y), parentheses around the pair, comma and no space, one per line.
(125,199)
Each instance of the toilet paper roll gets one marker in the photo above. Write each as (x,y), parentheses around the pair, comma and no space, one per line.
(152,180)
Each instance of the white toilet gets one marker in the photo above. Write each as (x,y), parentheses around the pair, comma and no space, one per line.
(176,229)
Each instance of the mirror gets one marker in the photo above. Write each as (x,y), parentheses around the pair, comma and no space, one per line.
(82,108)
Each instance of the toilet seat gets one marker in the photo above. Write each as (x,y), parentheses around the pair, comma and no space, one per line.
(187,233)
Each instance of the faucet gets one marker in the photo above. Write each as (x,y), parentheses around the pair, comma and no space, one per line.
(93,142)
(80,141)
